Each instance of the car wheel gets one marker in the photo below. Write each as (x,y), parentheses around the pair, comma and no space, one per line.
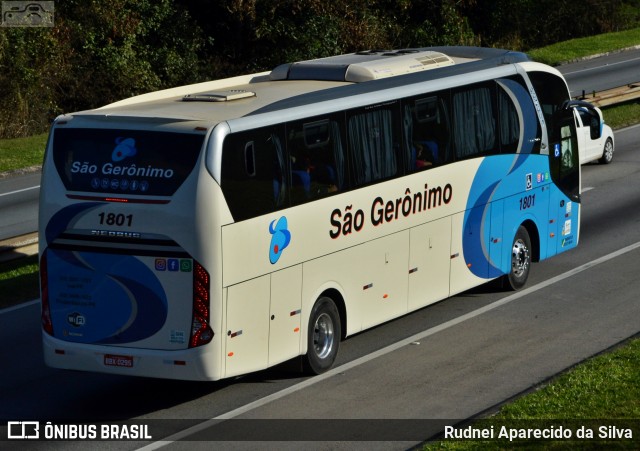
(323,336)
(520,260)
(607,154)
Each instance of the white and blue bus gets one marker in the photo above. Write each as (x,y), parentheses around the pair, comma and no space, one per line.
(216,229)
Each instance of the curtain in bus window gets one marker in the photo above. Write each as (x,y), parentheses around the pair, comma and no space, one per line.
(338,154)
(371,139)
(474,124)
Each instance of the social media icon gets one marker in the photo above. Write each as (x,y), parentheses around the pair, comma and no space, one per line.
(173,264)
(161,264)
(186,265)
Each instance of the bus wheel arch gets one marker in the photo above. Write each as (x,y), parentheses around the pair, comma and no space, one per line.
(534,236)
(337,298)
(323,335)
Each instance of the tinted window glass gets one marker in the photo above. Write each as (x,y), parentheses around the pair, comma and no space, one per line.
(253,175)
(316,153)
(474,123)
(124,161)
(426,132)
(374,143)
(518,123)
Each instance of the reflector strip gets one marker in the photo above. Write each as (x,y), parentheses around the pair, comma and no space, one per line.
(294,313)
(118,199)
(366,287)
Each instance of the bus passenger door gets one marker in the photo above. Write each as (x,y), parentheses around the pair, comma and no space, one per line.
(247,332)
(429,263)
(284,317)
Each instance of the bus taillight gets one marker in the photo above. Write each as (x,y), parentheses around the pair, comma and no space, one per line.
(47,324)
(201,332)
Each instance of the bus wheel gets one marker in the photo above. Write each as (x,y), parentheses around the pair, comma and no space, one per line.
(520,260)
(607,154)
(323,336)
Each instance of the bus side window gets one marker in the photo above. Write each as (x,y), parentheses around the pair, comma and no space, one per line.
(509,123)
(474,124)
(426,136)
(317,159)
(253,173)
(374,144)
(518,124)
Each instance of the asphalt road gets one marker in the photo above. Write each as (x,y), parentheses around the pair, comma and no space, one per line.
(602,73)
(19,205)
(450,361)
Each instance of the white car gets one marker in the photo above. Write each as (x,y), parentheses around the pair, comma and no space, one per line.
(595,138)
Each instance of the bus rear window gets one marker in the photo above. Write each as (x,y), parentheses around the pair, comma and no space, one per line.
(124,161)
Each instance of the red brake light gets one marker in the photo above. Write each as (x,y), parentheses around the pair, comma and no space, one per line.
(47,323)
(201,332)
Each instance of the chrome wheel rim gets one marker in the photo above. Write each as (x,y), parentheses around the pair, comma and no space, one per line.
(323,336)
(519,258)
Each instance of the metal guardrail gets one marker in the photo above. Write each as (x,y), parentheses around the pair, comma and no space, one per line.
(18,247)
(613,96)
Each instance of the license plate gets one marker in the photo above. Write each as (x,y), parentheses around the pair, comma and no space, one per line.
(118,360)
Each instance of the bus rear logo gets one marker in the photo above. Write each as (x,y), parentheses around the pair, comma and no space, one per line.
(279,240)
(125,147)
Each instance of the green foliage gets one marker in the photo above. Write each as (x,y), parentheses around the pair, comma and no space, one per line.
(96,53)
(99,52)
(127,47)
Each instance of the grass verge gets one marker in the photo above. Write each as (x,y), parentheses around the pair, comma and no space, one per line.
(19,281)
(575,49)
(600,392)
(622,115)
(19,153)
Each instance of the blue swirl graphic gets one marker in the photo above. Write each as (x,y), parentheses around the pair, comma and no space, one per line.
(280,239)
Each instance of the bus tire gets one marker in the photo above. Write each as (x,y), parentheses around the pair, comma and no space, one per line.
(323,336)
(520,260)
(607,152)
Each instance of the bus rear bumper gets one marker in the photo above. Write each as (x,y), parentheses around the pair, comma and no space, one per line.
(188,364)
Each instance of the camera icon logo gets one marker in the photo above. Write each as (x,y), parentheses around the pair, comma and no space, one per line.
(27,13)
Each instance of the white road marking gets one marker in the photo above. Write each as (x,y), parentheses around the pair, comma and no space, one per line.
(20,190)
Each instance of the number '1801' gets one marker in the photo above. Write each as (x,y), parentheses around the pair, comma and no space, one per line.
(115,219)
(527,202)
